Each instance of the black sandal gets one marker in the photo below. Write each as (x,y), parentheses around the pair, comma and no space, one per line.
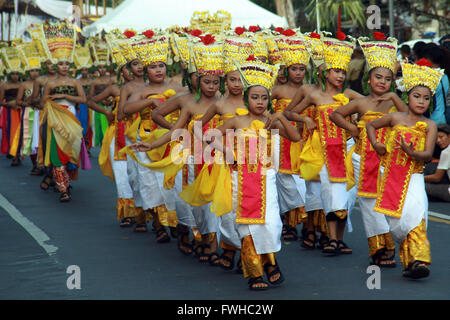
(65,197)
(140,228)
(173,232)
(214,259)
(258,280)
(228,259)
(188,247)
(162,231)
(342,246)
(323,240)
(276,270)
(415,271)
(391,262)
(126,222)
(46,183)
(331,252)
(37,171)
(290,234)
(307,243)
(239,267)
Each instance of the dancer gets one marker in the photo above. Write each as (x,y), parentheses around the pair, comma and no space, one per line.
(402,197)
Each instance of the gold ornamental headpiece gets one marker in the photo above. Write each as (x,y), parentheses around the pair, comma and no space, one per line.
(421,74)
(11,59)
(338,52)
(256,73)
(29,56)
(293,49)
(152,47)
(60,39)
(236,48)
(208,23)
(208,56)
(379,53)
(82,57)
(99,50)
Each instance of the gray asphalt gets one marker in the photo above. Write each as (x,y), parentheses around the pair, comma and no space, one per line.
(117,263)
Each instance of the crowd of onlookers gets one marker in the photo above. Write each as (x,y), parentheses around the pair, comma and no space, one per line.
(437,172)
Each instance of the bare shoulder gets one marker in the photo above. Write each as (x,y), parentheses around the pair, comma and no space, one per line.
(431,125)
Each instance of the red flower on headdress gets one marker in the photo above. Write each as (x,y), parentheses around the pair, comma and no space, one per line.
(253,28)
(196,32)
(341,36)
(149,34)
(129,33)
(208,39)
(239,30)
(424,62)
(251,58)
(314,35)
(288,32)
(279,30)
(379,35)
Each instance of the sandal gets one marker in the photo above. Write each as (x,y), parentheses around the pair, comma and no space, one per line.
(185,247)
(253,282)
(198,249)
(276,270)
(290,234)
(37,171)
(140,227)
(343,248)
(416,270)
(65,197)
(162,236)
(214,259)
(126,222)
(173,232)
(46,183)
(307,243)
(239,267)
(224,257)
(331,248)
(323,240)
(389,261)
(16,162)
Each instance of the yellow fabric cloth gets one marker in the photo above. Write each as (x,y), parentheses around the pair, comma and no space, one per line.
(320,221)
(350,171)
(66,128)
(253,263)
(416,246)
(104,160)
(169,165)
(380,242)
(125,208)
(311,159)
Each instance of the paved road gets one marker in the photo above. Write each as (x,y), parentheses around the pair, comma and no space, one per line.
(117,263)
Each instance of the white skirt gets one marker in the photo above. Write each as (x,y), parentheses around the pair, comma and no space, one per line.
(120,175)
(289,197)
(414,210)
(375,223)
(266,237)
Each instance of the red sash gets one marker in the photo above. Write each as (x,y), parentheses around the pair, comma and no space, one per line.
(398,168)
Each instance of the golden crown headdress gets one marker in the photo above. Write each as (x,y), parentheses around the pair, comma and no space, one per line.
(236,49)
(37,35)
(315,47)
(379,53)
(29,56)
(208,56)
(151,47)
(293,50)
(120,46)
(60,38)
(421,75)
(11,59)
(213,24)
(99,50)
(82,57)
(256,73)
(338,53)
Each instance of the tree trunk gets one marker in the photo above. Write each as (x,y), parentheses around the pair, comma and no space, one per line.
(286,9)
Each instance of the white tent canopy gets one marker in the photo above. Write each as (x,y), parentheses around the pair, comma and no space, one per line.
(141,15)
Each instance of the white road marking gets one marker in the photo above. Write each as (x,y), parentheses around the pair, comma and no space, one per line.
(439,215)
(40,236)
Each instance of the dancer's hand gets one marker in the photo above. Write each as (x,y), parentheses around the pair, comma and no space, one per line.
(141,147)
(380,148)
